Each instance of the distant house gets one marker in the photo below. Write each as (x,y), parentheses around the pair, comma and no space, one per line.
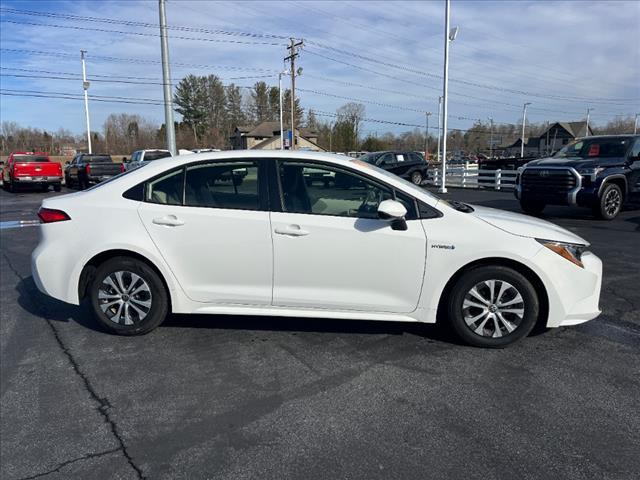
(551,140)
(513,148)
(266,136)
(561,133)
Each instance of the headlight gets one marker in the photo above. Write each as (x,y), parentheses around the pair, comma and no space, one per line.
(570,251)
(590,172)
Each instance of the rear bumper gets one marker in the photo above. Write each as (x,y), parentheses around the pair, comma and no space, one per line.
(38,180)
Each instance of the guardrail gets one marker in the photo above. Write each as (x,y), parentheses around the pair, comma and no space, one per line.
(470,176)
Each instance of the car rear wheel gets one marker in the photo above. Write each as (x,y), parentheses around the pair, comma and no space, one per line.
(532,208)
(493,307)
(609,203)
(128,297)
(416,177)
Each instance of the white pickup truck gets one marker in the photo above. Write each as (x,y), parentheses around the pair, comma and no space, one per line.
(142,157)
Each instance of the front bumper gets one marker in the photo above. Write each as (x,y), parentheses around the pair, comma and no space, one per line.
(573,292)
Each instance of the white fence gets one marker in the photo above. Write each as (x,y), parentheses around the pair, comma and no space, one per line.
(470,176)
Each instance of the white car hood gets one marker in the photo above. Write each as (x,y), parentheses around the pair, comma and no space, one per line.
(526,226)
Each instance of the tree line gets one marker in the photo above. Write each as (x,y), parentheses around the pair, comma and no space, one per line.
(211,111)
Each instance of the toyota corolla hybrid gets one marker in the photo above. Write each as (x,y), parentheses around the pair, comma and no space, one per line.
(256,233)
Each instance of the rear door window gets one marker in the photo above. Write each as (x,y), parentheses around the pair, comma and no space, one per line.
(167,189)
(232,185)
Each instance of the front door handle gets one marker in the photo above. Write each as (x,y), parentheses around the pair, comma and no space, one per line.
(292,231)
(169,221)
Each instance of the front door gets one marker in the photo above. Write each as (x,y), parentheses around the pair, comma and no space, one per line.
(332,251)
(211,225)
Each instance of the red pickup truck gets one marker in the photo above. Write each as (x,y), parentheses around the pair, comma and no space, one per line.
(31,169)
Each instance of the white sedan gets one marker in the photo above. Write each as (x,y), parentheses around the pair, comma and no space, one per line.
(251,233)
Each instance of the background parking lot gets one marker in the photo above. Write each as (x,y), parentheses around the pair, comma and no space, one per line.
(252,397)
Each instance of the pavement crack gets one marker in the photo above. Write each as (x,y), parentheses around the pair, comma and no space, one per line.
(11,267)
(103,403)
(69,462)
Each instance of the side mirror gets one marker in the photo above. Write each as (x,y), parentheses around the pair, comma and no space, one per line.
(391,210)
(394,212)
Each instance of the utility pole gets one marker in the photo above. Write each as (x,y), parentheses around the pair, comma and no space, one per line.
(331,137)
(586,133)
(491,138)
(439,127)
(166,81)
(281,114)
(449,36)
(85,87)
(635,124)
(292,59)
(426,136)
(547,146)
(524,121)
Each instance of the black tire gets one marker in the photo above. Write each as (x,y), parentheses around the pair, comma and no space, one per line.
(82,184)
(417,177)
(10,187)
(45,188)
(68,182)
(157,297)
(532,208)
(513,328)
(610,202)
(57,188)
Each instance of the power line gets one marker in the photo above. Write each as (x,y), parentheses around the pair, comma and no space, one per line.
(142,34)
(465,82)
(138,24)
(138,61)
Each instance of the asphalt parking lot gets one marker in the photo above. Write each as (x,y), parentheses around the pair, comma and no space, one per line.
(242,397)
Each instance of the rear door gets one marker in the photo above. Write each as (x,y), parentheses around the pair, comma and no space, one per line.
(210,222)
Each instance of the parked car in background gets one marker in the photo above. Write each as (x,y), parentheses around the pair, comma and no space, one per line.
(409,165)
(205,150)
(31,169)
(176,236)
(600,172)
(143,157)
(90,168)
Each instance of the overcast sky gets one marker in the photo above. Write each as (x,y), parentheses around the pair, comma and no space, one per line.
(563,57)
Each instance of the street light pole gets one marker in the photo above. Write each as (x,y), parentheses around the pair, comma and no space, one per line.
(524,121)
(439,127)
(586,133)
(491,139)
(449,36)
(166,81)
(85,87)
(426,136)
(635,124)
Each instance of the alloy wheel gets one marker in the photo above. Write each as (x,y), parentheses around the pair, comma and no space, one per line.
(612,202)
(493,308)
(416,178)
(124,297)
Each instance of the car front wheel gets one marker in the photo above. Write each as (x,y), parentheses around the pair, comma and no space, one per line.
(128,297)
(609,203)
(493,306)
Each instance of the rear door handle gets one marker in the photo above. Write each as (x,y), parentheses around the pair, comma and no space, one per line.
(292,231)
(169,221)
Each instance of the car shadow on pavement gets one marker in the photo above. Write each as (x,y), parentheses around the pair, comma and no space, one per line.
(43,306)
(40,305)
(435,332)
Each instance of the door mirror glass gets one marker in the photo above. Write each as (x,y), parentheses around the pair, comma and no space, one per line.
(391,210)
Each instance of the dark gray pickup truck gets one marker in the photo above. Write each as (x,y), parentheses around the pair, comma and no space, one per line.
(90,168)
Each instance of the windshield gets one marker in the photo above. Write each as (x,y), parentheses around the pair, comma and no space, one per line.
(30,158)
(406,183)
(595,147)
(369,158)
(96,158)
